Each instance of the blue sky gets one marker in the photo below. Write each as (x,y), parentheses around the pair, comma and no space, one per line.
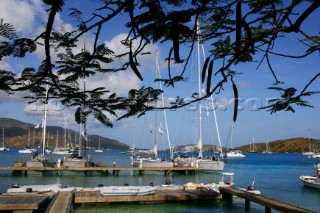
(28,17)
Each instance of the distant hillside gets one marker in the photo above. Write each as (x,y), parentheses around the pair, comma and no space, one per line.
(16,134)
(288,145)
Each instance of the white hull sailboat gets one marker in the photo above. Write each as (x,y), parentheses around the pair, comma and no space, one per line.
(268,149)
(78,156)
(3,148)
(234,153)
(39,159)
(143,159)
(61,150)
(208,164)
(253,147)
(27,150)
(99,149)
(310,152)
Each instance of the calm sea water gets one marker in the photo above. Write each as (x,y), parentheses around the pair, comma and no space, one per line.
(276,176)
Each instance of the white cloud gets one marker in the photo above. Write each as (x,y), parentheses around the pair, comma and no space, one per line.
(22,14)
(5,64)
(146,61)
(120,82)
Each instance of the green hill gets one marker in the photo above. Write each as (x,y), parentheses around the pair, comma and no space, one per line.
(287,145)
(16,134)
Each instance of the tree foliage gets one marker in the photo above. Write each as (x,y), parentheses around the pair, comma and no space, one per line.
(238,30)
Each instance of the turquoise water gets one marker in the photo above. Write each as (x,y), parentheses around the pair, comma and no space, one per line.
(276,176)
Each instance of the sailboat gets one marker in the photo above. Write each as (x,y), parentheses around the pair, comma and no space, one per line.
(310,152)
(77,158)
(209,164)
(39,158)
(61,150)
(234,153)
(27,150)
(252,147)
(143,159)
(3,148)
(99,149)
(268,149)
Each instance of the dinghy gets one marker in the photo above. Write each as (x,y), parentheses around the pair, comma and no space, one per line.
(34,188)
(126,190)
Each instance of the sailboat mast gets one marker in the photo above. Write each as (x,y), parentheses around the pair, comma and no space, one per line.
(3,137)
(65,132)
(84,123)
(199,93)
(156,117)
(164,111)
(45,118)
(29,138)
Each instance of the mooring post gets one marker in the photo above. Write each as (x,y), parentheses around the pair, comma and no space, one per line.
(267,209)
(247,205)
(226,196)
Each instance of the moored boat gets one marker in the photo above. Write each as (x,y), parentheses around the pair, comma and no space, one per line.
(312,181)
(210,163)
(99,149)
(16,188)
(235,154)
(126,190)
(3,148)
(251,189)
(25,151)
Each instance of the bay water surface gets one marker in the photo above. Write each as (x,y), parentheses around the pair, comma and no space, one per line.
(276,176)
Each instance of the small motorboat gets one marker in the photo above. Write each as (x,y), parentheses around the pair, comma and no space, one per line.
(312,181)
(193,186)
(126,190)
(226,181)
(251,189)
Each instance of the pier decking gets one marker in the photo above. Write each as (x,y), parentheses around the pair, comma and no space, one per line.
(25,202)
(87,197)
(64,201)
(114,170)
(268,203)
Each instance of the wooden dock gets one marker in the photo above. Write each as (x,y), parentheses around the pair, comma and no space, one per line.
(25,202)
(63,203)
(268,203)
(91,197)
(114,170)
